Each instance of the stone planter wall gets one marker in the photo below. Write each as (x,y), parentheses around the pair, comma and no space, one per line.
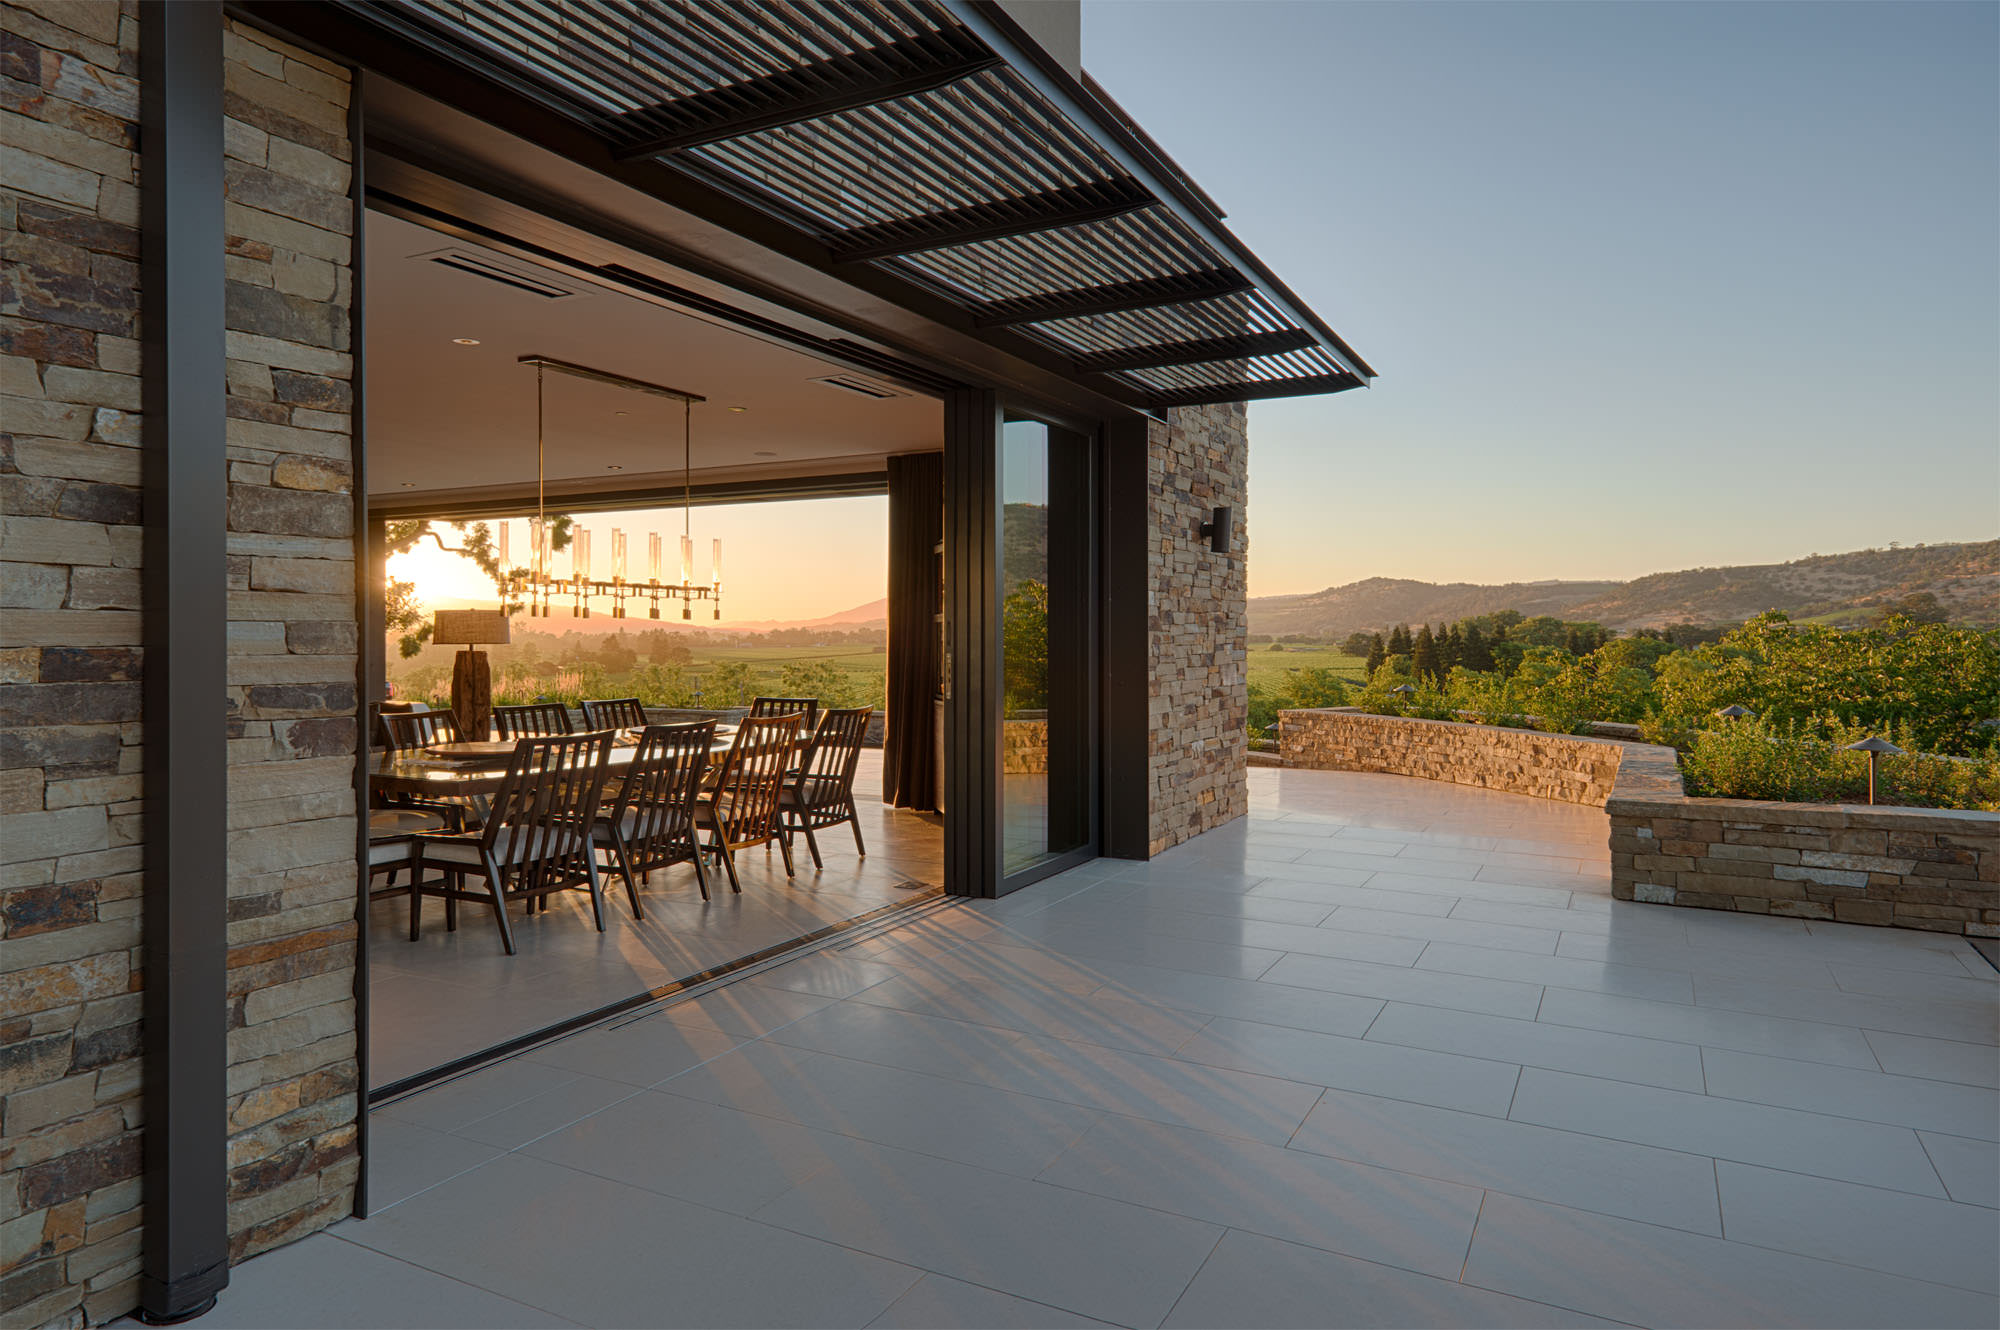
(1199,699)
(1932,869)
(1548,766)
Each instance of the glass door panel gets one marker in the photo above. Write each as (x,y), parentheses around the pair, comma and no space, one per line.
(1046,661)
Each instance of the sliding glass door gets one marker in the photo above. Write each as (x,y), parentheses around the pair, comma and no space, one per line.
(1047,649)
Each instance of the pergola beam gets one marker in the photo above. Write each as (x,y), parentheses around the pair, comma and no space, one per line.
(1072,205)
(1252,390)
(788,96)
(1113,298)
(1242,347)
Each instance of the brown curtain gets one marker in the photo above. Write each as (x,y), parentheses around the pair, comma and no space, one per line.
(916,525)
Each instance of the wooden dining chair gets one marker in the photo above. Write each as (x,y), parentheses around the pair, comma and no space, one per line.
(821,793)
(536,840)
(617,713)
(650,822)
(761,707)
(742,810)
(531,720)
(418,729)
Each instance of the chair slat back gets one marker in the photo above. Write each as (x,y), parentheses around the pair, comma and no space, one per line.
(836,747)
(539,830)
(660,790)
(531,720)
(785,706)
(418,729)
(746,791)
(616,713)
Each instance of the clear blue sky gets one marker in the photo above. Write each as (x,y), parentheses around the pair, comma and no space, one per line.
(1648,286)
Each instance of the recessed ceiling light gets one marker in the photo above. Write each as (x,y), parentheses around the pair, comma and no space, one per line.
(766,454)
(739,410)
(614,468)
(465,341)
(621,413)
(409,484)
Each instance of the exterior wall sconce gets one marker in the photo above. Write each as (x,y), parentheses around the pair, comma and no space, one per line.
(1216,530)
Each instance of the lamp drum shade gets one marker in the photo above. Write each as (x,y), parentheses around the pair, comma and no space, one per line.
(470,627)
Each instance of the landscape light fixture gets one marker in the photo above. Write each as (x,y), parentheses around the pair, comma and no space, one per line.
(1402,690)
(1874,747)
(1734,712)
(1216,530)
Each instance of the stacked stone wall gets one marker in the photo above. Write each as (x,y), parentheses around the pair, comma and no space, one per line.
(1931,869)
(1548,766)
(294,1091)
(1197,613)
(70,661)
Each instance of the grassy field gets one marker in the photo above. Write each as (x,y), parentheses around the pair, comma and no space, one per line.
(1268,667)
(767,661)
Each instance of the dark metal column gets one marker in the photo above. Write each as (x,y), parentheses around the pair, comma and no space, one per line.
(186,1246)
(371,559)
(1127,734)
(972,639)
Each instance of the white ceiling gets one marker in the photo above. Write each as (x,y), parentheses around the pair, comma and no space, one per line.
(450,419)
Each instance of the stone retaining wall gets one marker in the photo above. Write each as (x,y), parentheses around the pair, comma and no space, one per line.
(1548,766)
(1934,869)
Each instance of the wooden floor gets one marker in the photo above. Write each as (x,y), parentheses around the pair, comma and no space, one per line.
(450,994)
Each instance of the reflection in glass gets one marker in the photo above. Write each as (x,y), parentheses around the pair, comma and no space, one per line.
(1044,667)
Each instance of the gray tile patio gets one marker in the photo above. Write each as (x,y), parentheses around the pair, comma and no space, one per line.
(1384,1054)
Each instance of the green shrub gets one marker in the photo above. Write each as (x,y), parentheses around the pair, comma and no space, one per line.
(1791,762)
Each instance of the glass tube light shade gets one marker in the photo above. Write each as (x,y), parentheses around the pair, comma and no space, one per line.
(653,556)
(617,554)
(687,561)
(579,559)
(503,548)
(715,563)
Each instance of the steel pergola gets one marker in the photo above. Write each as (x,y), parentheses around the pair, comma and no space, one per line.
(928,139)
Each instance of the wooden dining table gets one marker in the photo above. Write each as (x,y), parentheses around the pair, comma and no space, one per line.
(477,770)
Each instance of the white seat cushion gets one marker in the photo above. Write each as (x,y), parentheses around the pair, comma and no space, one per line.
(507,846)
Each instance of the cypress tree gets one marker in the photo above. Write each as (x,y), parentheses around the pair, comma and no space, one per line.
(1399,640)
(1377,653)
(1424,655)
(1477,655)
(1451,651)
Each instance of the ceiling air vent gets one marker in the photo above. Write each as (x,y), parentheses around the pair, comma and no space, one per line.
(854,383)
(520,276)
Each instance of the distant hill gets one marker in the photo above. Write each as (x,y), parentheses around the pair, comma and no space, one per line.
(1841,588)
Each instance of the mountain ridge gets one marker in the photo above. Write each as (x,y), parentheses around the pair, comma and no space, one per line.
(1965,577)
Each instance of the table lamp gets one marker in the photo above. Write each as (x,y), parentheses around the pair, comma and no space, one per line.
(471,680)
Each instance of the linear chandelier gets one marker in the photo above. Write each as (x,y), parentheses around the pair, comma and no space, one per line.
(539,583)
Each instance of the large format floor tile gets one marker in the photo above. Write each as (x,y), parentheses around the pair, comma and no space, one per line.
(1647,1275)
(1955,1110)
(1817,1041)
(1591,1173)
(1942,1242)
(610,1254)
(1087,1254)
(1396,1218)
(938,1302)
(1538,1044)
(1872,1153)
(1258,1281)
(1476,1085)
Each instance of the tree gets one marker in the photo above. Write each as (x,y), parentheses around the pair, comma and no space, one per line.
(404,613)
(617,655)
(1424,655)
(1451,650)
(661,649)
(1377,653)
(729,685)
(1477,657)
(1357,644)
(1921,607)
(1024,639)
(1400,643)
